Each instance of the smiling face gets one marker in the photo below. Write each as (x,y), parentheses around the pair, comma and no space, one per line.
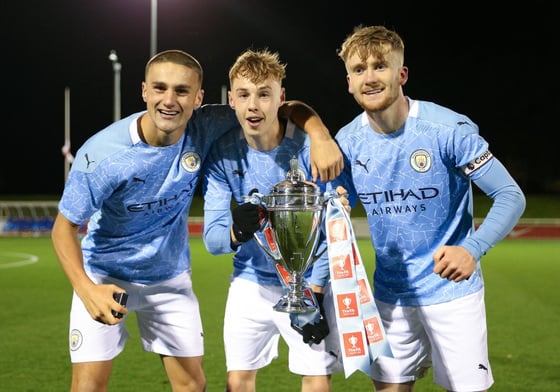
(171,90)
(374,60)
(376,83)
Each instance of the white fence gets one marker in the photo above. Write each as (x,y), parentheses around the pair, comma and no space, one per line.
(28,218)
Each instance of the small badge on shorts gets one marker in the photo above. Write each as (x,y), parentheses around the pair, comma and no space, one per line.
(75,339)
(421,161)
(190,161)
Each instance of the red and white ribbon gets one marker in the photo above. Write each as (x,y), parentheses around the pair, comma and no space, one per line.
(361,333)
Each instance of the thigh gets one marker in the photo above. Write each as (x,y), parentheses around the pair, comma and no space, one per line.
(250,335)
(168,317)
(90,340)
(92,376)
(458,334)
(409,343)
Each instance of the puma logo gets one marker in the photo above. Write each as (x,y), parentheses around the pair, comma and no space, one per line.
(364,165)
(482,367)
(88,161)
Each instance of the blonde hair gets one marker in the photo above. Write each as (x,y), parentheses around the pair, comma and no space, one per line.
(257,66)
(371,40)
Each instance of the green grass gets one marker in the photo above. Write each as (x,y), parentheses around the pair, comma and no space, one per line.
(521,295)
(538,206)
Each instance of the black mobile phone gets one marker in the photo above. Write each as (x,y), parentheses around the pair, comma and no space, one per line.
(121,299)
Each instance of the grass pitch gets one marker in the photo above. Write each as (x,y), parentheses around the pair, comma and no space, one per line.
(521,296)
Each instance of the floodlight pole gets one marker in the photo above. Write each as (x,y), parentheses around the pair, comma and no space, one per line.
(224,94)
(68,158)
(116,85)
(153,28)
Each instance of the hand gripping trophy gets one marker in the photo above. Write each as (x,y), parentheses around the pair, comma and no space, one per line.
(290,235)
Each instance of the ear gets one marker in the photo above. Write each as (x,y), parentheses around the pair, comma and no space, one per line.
(282,95)
(199,99)
(403,75)
(230,100)
(144,92)
(349,84)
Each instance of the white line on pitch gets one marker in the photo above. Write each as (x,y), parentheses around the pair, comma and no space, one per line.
(26,259)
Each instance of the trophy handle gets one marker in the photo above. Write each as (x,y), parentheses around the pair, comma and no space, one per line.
(318,253)
(271,247)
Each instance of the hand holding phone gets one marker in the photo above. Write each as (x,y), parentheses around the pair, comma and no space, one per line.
(121,298)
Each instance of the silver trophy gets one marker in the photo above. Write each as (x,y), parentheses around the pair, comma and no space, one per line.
(291,234)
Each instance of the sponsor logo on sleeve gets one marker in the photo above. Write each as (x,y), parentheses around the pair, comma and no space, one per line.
(477,163)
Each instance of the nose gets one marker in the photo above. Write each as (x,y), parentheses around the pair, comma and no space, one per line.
(253,99)
(169,97)
(371,75)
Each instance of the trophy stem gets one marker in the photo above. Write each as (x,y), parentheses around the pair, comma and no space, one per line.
(295,300)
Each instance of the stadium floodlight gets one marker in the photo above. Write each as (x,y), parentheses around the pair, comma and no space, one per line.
(116,84)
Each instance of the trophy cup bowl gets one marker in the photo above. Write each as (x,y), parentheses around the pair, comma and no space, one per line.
(295,209)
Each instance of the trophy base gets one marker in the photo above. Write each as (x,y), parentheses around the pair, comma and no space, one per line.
(299,306)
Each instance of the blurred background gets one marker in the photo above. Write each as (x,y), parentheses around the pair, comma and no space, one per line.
(496,67)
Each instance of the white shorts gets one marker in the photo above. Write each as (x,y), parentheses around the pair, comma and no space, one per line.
(168,319)
(252,329)
(452,336)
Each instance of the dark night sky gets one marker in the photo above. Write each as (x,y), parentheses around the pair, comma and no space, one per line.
(498,68)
